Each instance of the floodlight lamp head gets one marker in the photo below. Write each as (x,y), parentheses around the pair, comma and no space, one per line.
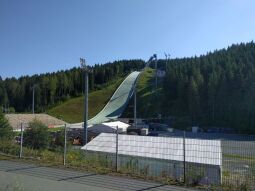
(83,62)
(151,58)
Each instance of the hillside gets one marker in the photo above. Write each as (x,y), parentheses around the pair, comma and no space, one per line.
(213,90)
(72,110)
(145,96)
(57,87)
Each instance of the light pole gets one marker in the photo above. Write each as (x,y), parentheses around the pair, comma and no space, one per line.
(33,104)
(86,89)
(135,86)
(135,119)
(64,158)
(156,68)
(167,59)
(33,98)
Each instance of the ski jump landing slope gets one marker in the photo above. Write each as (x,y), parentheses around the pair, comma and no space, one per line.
(118,102)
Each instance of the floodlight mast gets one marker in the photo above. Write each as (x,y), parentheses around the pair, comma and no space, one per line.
(167,59)
(86,89)
(135,117)
(156,68)
(33,104)
(135,88)
(33,98)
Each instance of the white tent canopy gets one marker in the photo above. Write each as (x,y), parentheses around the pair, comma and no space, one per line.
(109,127)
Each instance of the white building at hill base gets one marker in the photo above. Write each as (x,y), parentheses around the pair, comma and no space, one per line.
(163,155)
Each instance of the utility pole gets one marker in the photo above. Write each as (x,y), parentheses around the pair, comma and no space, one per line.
(117,146)
(184,157)
(135,119)
(167,59)
(64,158)
(86,89)
(33,101)
(156,68)
(135,89)
(21,140)
(33,97)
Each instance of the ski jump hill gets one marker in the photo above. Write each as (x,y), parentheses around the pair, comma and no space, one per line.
(117,104)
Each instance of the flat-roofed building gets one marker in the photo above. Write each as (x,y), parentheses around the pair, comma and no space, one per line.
(163,155)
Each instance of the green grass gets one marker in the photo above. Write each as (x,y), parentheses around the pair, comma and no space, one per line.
(72,110)
(245,158)
(82,161)
(145,81)
(145,96)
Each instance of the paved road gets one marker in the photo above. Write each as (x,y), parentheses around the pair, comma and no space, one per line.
(29,177)
(21,182)
(233,144)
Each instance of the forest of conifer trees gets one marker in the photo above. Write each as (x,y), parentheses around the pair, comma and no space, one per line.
(216,89)
(54,88)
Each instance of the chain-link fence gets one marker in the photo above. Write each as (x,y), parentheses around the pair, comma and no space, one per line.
(238,162)
(185,160)
(36,143)
(167,159)
(217,162)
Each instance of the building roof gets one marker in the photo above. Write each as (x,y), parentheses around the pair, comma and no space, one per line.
(109,127)
(168,148)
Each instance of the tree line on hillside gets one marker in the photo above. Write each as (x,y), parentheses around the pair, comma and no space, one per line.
(217,89)
(53,88)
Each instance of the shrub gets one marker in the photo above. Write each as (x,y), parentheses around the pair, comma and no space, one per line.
(37,135)
(194,175)
(5,128)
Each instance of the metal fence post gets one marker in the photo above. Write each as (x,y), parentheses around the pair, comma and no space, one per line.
(64,159)
(21,140)
(184,158)
(117,140)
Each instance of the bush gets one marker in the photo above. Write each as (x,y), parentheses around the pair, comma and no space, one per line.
(60,139)
(37,135)
(5,128)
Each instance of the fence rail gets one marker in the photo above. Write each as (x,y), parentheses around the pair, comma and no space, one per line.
(169,159)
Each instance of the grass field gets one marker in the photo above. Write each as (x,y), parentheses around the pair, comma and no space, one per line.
(72,110)
(145,93)
(146,106)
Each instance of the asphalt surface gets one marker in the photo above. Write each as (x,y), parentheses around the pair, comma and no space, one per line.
(29,177)
(232,144)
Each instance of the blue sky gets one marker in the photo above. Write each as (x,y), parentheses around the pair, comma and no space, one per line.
(50,35)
